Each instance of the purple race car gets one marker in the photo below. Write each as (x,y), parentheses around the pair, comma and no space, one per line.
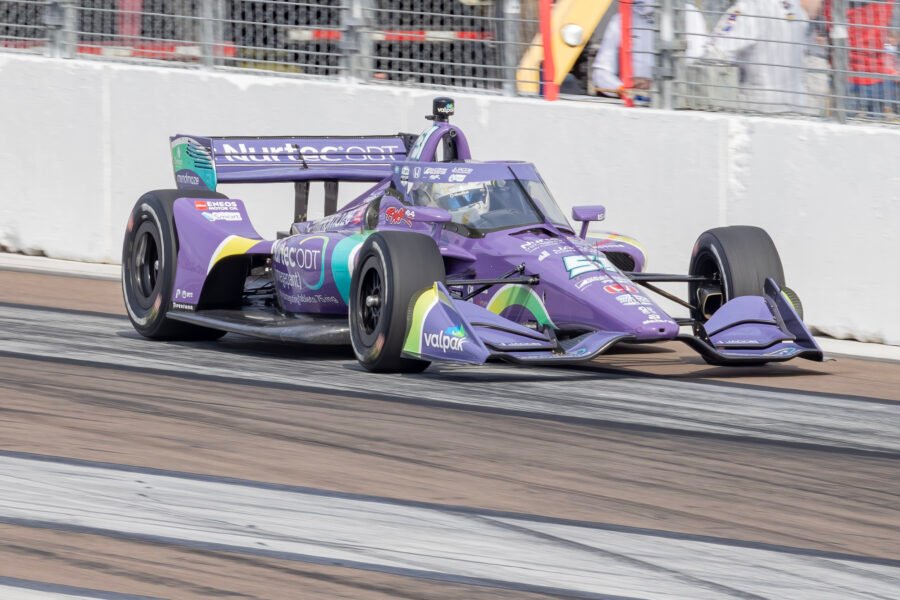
(443,258)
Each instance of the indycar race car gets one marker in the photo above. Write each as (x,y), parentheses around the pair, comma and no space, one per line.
(443,258)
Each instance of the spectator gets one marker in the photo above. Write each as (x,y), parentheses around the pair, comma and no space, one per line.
(605,69)
(767,40)
(872,38)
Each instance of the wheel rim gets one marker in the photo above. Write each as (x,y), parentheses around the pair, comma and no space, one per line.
(145,262)
(371,301)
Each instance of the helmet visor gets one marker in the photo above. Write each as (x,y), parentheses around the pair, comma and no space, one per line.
(462,198)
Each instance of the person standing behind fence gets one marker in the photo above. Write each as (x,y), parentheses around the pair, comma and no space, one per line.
(605,68)
(766,39)
(873,27)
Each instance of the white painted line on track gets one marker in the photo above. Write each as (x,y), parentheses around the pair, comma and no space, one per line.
(832,346)
(54,266)
(417,540)
(12,588)
(14,593)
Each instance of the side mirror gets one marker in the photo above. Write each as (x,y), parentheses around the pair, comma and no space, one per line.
(586,215)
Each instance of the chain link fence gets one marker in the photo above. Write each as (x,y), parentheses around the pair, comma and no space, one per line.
(833,59)
(23,25)
(446,43)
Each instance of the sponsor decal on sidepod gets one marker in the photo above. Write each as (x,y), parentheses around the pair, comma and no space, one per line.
(451,338)
(394,215)
(299,258)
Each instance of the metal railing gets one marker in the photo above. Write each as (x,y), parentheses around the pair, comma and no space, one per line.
(26,25)
(833,59)
(446,43)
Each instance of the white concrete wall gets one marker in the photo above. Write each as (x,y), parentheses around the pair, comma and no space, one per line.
(80,141)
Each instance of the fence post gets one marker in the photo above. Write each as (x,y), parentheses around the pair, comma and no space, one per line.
(840,62)
(60,21)
(349,46)
(548,68)
(356,46)
(512,17)
(625,52)
(666,71)
(70,29)
(208,47)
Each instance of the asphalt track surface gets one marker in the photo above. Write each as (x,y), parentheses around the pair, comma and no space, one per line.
(136,469)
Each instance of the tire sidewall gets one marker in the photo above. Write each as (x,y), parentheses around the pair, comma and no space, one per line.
(409,262)
(368,349)
(157,207)
(149,211)
(743,256)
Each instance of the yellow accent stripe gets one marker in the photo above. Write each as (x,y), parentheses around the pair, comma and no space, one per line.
(616,237)
(231,246)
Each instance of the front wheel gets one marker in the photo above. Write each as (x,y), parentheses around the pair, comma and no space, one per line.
(392,266)
(737,259)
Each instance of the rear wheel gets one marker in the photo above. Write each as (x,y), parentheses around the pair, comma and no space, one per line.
(391,267)
(149,257)
(738,259)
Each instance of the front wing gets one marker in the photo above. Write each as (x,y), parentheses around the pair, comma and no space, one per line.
(746,331)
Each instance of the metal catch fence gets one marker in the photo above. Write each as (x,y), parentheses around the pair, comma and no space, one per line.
(24,25)
(447,43)
(832,59)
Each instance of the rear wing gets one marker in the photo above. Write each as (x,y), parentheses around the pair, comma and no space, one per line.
(204,162)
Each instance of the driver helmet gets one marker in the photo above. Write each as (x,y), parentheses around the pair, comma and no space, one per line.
(465,202)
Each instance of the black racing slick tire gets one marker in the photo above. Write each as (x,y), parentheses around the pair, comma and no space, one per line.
(390,268)
(738,259)
(149,258)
